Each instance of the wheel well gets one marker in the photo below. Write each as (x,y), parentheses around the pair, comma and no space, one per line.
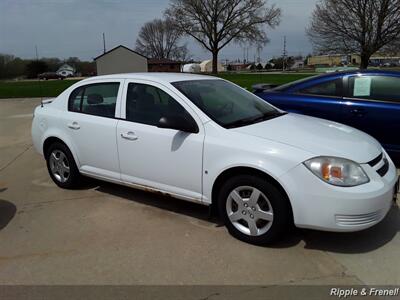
(48,142)
(247,171)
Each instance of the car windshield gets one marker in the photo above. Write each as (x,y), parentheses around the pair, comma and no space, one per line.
(227,104)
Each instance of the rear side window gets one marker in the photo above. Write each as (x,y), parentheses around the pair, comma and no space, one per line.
(385,88)
(146,104)
(331,88)
(95,99)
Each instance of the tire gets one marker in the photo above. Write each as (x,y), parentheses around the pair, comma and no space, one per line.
(254,210)
(62,167)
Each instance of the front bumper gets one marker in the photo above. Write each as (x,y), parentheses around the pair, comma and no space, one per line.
(318,205)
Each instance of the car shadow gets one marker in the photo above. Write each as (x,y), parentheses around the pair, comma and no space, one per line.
(351,242)
(160,201)
(7,213)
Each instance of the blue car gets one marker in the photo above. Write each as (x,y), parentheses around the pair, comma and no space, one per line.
(368,100)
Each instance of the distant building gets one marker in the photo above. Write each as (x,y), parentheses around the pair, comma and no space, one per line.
(120,60)
(206,66)
(331,60)
(66,70)
(163,65)
(238,66)
(191,68)
(298,64)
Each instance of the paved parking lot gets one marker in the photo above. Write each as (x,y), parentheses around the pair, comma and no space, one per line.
(108,234)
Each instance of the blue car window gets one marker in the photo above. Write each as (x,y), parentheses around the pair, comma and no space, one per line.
(385,88)
(330,88)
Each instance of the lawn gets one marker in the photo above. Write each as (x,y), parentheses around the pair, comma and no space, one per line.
(33,88)
(52,88)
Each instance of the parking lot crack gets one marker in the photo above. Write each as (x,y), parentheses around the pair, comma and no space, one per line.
(15,158)
(62,200)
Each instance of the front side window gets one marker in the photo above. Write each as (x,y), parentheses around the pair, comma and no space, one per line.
(331,88)
(384,88)
(95,99)
(225,103)
(147,104)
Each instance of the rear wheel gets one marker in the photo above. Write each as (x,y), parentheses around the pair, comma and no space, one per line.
(61,166)
(254,210)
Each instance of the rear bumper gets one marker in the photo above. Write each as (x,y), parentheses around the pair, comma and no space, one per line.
(318,205)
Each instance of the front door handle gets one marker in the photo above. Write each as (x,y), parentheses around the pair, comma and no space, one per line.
(74,125)
(130,136)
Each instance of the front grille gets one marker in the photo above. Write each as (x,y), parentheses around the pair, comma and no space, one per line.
(354,220)
(376,160)
(384,169)
(380,164)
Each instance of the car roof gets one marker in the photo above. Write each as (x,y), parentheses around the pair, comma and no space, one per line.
(321,77)
(155,76)
(351,72)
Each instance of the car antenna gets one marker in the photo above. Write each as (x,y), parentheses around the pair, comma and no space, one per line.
(40,83)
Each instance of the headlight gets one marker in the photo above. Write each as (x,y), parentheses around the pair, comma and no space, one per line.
(337,171)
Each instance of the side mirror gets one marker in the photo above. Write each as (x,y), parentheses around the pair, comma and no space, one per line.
(181,123)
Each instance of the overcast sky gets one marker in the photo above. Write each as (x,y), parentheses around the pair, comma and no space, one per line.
(64,28)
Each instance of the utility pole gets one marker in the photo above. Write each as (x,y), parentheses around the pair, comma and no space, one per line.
(284,54)
(37,53)
(258,53)
(104,42)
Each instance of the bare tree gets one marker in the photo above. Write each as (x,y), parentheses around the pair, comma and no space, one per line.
(355,26)
(216,23)
(392,48)
(160,39)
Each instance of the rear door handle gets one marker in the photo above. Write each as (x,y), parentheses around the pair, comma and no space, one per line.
(358,112)
(74,125)
(130,136)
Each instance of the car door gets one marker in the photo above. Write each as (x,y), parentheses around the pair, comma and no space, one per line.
(322,99)
(91,124)
(373,106)
(163,159)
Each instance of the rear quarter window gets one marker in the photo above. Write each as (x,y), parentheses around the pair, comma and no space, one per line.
(331,88)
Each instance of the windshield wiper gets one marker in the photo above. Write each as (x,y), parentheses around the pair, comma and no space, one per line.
(253,120)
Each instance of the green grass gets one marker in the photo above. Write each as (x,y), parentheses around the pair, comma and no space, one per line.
(247,80)
(34,88)
(52,88)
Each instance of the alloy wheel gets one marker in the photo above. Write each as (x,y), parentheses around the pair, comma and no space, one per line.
(59,166)
(249,210)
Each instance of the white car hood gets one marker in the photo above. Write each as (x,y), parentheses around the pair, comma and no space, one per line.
(317,136)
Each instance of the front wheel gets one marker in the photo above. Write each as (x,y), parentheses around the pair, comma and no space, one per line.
(253,209)
(61,166)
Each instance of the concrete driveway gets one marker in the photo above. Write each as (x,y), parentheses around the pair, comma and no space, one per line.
(109,234)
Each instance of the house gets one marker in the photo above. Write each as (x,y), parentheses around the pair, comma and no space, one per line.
(120,60)
(163,65)
(297,64)
(206,66)
(238,66)
(66,70)
(191,68)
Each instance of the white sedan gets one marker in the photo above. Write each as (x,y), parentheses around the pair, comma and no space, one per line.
(206,140)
